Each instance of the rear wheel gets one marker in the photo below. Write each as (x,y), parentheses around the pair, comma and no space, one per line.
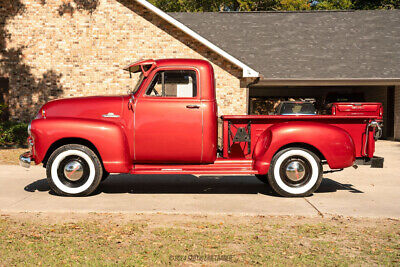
(74,170)
(295,172)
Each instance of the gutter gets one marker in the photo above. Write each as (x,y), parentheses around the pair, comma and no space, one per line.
(329,82)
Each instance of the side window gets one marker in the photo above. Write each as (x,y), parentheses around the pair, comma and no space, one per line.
(174,83)
(155,88)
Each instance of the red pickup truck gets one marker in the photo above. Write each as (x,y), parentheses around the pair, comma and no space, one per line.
(168,124)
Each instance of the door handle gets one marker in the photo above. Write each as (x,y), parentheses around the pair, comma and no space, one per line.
(192,106)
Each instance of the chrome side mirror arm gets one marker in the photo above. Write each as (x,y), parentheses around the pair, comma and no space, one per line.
(131,102)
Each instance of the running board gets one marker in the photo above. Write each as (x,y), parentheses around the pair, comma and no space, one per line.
(220,167)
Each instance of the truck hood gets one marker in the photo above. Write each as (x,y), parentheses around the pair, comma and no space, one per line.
(96,107)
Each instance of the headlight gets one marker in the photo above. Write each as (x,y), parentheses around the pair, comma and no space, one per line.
(29,128)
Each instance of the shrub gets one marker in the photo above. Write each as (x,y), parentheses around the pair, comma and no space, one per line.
(2,108)
(13,134)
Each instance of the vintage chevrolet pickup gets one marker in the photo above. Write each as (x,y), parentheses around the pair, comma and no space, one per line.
(168,124)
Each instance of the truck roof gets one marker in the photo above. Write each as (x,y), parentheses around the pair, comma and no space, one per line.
(137,66)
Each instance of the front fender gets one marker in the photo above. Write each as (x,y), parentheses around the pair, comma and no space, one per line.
(108,138)
(334,143)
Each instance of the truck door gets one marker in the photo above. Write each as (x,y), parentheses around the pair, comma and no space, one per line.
(168,119)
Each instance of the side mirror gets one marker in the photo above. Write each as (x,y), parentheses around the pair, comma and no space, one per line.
(131,102)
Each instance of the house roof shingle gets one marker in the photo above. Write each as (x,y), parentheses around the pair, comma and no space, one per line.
(311,45)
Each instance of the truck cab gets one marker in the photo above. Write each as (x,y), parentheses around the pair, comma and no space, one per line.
(175,108)
(168,124)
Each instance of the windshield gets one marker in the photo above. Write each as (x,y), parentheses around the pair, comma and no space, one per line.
(137,86)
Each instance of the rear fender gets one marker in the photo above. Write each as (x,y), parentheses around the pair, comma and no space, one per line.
(332,142)
(108,138)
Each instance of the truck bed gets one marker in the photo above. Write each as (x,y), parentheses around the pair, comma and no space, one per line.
(255,125)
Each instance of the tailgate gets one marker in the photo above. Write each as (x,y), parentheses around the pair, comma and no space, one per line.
(357,109)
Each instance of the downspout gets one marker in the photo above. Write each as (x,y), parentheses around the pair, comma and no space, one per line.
(257,80)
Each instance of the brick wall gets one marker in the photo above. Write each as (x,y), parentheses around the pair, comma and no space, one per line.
(62,48)
(397,113)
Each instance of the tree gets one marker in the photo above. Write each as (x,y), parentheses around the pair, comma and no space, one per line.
(214,5)
(333,5)
(376,4)
(188,5)
(254,5)
(292,5)
(265,5)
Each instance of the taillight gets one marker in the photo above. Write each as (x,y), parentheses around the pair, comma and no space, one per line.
(381,112)
(334,110)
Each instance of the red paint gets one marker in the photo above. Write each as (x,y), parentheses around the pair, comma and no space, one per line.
(147,134)
(358,109)
(109,139)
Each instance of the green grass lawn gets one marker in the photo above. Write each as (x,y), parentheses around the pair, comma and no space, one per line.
(178,239)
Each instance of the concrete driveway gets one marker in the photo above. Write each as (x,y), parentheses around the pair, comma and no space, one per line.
(364,192)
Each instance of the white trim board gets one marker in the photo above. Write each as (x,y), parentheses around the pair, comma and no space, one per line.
(247,71)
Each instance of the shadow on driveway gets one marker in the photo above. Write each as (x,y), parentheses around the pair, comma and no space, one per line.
(189,184)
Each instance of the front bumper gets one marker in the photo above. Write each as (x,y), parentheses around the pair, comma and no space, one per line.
(25,159)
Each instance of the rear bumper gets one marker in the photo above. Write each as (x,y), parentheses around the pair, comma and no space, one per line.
(378,131)
(375,162)
(25,160)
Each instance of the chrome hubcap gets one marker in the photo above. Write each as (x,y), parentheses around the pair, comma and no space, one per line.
(295,171)
(73,171)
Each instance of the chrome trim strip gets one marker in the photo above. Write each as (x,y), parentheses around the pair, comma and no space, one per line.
(29,129)
(202,131)
(134,131)
(110,115)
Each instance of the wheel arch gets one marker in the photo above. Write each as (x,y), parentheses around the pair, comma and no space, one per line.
(68,141)
(306,146)
(328,142)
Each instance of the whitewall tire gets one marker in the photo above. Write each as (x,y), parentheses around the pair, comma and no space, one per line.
(74,170)
(295,172)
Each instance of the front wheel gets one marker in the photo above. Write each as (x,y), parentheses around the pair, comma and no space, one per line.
(74,170)
(295,172)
